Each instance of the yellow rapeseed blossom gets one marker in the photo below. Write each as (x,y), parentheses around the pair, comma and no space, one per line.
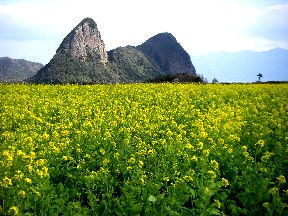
(261,143)
(22,193)
(9,157)
(169,133)
(28,180)
(212,174)
(263,169)
(244,148)
(19,175)
(116,155)
(224,182)
(266,204)
(176,173)
(189,146)
(56,149)
(105,161)
(13,210)
(203,134)
(46,136)
(194,158)
(35,191)
(30,168)
(117,172)
(200,144)
(141,163)
(206,152)
(267,155)
(40,162)
(131,160)
(28,140)
(273,191)
(142,181)
(113,144)
(246,154)
(217,203)
(187,178)
(102,151)
(281,179)
(32,155)
(151,151)
(64,158)
(214,164)
(206,190)
(166,178)
(19,152)
(6,182)
(221,141)
(103,170)
(87,156)
(78,150)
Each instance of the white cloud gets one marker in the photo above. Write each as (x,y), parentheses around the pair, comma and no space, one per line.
(271,22)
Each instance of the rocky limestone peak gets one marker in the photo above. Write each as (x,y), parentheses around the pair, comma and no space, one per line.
(84,41)
(164,49)
(82,58)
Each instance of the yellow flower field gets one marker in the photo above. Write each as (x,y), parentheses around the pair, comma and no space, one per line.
(144,149)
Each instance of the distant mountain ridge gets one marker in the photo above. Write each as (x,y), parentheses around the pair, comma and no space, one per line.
(82,58)
(243,66)
(16,70)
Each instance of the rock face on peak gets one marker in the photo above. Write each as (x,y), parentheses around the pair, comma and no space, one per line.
(82,58)
(83,41)
(166,52)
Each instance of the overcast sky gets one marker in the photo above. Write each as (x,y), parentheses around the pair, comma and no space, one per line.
(33,29)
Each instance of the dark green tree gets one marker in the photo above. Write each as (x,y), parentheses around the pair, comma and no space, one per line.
(259,76)
(214,80)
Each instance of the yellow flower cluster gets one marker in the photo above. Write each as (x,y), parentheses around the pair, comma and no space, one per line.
(214,164)
(281,179)
(169,140)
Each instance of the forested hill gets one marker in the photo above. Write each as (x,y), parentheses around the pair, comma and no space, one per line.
(16,70)
(82,58)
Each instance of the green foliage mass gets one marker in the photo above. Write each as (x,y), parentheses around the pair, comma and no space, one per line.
(65,69)
(181,78)
(132,65)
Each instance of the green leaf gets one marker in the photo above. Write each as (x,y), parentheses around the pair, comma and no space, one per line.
(152,198)
(136,209)
(214,211)
(192,193)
